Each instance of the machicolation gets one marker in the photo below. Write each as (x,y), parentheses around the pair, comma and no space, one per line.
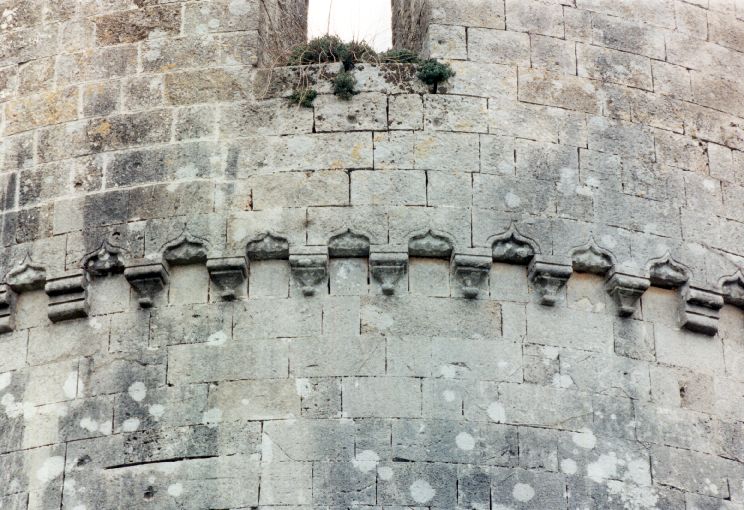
(500,266)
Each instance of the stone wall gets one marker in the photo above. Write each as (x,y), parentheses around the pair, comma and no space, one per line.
(523,291)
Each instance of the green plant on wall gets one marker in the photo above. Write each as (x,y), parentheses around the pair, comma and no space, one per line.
(304,97)
(432,72)
(343,85)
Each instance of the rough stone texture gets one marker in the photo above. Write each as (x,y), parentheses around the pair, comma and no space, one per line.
(322,325)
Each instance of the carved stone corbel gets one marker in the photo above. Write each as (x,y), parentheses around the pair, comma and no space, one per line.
(227,274)
(68,297)
(148,278)
(107,259)
(7,308)
(513,248)
(471,270)
(700,309)
(590,258)
(548,276)
(309,267)
(732,288)
(186,249)
(626,288)
(387,268)
(26,276)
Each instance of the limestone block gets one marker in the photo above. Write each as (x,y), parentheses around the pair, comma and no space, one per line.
(338,356)
(614,66)
(446,151)
(540,87)
(553,54)
(455,113)
(695,472)
(310,440)
(160,54)
(13,351)
(340,483)
(348,276)
(388,187)
(286,483)
(530,489)
(405,111)
(574,329)
(384,397)
(66,340)
(217,360)
(689,350)
(404,315)
(444,441)
(320,151)
(160,407)
(623,34)
(498,47)
(446,42)
(255,319)
(418,484)
(606,374)
(252,400)
(366,111)
(534,17)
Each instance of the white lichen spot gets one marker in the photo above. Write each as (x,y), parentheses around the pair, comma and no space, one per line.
(217,338)
(302,387)
(448,371)
(70,385)
(156,411)
(212,417)
(633,496)
(50,469)
(465,441)
(239,7)
(366,461)
(267,449)
(585,438)
(175,490)
(89,424)
(5,380)
(130,425)
(562,381)
(385,473)
(79,507)
(603,469)
(568,466)
(497,412)
(523,492)
(138,391)
(512,200)
(421,491)
(106,428)
(448,395)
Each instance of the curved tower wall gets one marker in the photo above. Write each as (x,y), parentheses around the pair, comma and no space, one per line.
(523,291)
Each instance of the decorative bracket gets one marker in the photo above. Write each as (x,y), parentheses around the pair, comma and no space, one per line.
(732,288)
(388,268)
(26,276)
(105,260)
(348,244)
(7,308)
(227,273)
(268,247)
(700,310)
(513,248)
(430,245)
(309,267)
(626,288)
(471,270)
(667,273)
(548,276)
(590,258)
(68,297)
(186,249)
(148,278)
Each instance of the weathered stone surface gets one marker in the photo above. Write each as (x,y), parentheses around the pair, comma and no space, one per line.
(344,298)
